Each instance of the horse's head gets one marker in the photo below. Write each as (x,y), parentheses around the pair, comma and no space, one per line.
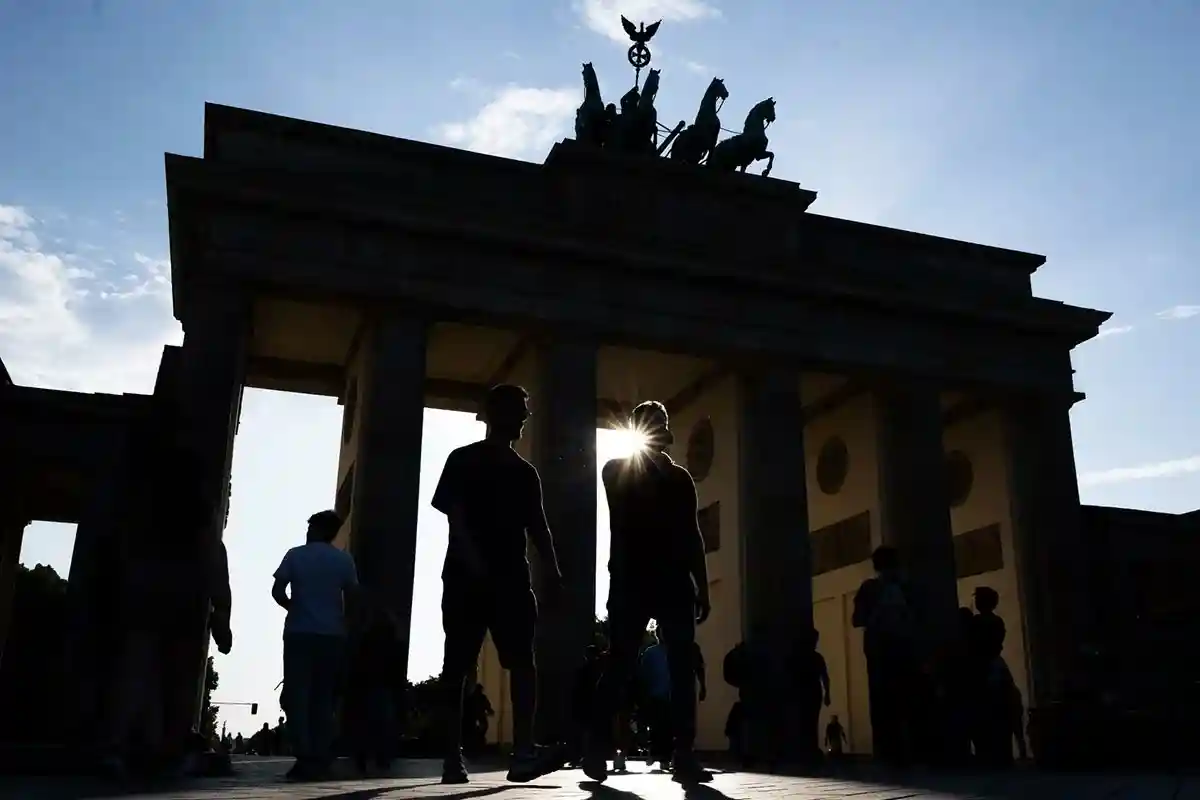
(650,89)
(762,113)
(717,89)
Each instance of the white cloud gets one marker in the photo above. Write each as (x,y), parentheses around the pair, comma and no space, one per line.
(518,121)
(1179,312)
(604,16)
(1163,469)
(696,67)
(153,279)
(57,326)
(1112,330)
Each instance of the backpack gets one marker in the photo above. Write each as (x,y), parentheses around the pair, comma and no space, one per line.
(891,619)
(733,669)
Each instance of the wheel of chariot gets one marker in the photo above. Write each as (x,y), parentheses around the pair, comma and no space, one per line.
(639,55)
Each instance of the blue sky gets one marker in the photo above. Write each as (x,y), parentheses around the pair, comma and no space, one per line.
(1063,127)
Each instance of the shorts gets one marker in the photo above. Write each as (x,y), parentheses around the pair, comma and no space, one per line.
(470,612)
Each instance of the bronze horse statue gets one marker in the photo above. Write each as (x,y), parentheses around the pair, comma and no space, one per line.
(698,139)
(636,128)
(591,119)
(741,150)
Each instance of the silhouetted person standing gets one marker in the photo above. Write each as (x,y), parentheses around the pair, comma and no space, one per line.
(492,498)
(657,571)
(835,738)
(808,678)
(320,577)
(882,607)
(477,714)
(997,699)
(370,702)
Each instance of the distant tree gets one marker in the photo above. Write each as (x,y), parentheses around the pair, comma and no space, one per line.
(32,668)
(208,713)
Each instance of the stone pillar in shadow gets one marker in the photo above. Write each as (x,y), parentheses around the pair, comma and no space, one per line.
(1052,556)
(93,640)
(775,552)
(914,504)
(12,533)
(208,386)
(564,452)
(387,466)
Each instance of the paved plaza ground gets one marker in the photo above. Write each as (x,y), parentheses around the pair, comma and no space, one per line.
(263,778)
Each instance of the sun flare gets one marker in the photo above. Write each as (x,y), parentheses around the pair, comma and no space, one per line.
(624,442)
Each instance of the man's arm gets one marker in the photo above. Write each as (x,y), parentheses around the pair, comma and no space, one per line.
(697,559)
(280,591)
(221,600)
(862,603)
(701,673)
(823,673)
(537,526)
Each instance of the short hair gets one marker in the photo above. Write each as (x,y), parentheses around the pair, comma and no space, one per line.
(987,596)
(649,413)
(327,522)
(504,397)
(885,557)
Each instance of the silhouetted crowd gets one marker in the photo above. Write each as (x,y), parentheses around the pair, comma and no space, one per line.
(638,691)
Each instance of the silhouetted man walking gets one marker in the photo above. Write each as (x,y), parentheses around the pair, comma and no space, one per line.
(493,499)
(320,577)
(657,571)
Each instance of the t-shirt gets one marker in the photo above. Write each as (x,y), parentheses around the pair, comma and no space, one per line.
(318,574)
(500,495)
(652,513)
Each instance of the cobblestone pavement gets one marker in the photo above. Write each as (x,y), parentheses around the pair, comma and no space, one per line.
(263,778)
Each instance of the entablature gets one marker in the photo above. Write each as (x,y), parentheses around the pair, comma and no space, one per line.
(694,221)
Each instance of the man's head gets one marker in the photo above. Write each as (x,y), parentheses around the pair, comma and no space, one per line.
(652,421)
(885,559)
(505,410)
(323,526)
(986,599)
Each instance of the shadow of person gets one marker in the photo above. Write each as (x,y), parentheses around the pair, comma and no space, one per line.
(703,791)
(601,791)
(695,791)
(371,794)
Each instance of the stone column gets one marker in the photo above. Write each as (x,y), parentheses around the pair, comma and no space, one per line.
(915,507)
(776,558)
(208,398)
(387,468)
(93,589)
(1050,551)
(12,533)
(564,416)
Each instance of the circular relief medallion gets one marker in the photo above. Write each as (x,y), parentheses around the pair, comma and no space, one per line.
(701,449)
(960,477)
(833,464)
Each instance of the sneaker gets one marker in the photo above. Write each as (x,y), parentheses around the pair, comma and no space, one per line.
(531,765)
(454,771)
(686,768)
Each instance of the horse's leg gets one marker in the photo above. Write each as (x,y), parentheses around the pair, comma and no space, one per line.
(771,163)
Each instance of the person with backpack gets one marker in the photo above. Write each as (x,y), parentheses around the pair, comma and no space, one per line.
(883,609)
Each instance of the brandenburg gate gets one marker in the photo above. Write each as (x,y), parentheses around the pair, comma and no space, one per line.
(834,385)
